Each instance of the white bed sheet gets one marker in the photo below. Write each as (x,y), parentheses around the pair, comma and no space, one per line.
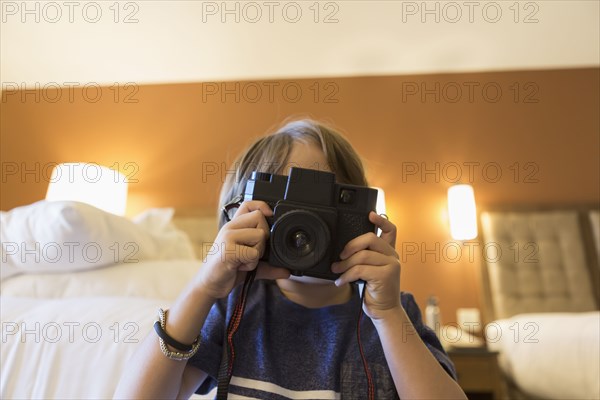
(162,279)
(70,336)
(550,355)
(65,349)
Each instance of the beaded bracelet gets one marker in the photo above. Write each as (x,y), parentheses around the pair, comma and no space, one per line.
(187,351)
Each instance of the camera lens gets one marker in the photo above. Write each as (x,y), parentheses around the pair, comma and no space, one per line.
(301,242)
(299,239)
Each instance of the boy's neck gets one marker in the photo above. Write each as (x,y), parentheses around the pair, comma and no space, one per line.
(312,295)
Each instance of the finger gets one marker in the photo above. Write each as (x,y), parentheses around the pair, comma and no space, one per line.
(366,257)
(246,236)
(253,205)
(368,241)
(249,237)
(267,271)
(370,273)
(243,258)
(252,219)
(388,229)
(353,275)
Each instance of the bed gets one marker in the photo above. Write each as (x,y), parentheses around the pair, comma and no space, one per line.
(541,300)
(70,325)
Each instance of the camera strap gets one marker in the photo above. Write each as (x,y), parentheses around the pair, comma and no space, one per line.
(228,357)
(370,384)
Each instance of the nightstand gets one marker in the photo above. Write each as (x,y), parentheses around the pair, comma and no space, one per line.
(478,372)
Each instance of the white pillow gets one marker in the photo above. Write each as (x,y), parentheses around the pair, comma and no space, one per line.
(61,236)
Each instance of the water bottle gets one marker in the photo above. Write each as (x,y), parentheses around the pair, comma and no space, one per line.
(432,315)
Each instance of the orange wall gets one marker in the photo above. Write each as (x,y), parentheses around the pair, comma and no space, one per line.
(541,134)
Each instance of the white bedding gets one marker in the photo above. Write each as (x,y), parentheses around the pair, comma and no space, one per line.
(70,324)
(67,236)
(77,346)
(161,279)
(550,355)
(65,349)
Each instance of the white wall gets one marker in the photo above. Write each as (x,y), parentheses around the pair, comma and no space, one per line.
(181,41)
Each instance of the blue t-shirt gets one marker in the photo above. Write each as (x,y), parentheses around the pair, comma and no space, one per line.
(285,350)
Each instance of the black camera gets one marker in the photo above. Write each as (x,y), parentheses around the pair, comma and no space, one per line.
(313,218)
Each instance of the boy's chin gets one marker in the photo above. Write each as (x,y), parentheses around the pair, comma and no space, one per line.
(310,280)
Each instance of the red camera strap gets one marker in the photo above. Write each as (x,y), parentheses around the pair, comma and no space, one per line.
(370,384)
(228,357)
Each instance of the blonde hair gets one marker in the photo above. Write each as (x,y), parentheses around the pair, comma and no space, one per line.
(271,153)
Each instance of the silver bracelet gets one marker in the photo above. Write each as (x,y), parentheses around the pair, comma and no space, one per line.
(174,355)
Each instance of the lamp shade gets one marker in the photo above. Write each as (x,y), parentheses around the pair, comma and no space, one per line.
(462,212)
(89,183)
(380,206)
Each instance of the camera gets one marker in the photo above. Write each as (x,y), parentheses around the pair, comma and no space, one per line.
(313,218)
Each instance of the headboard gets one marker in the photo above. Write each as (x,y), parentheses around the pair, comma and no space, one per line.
(542,261)
(595,225)
(200,225)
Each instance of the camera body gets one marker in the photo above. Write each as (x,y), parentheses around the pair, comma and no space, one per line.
(313,218)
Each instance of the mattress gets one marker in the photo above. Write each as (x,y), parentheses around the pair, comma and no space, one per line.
(550,355)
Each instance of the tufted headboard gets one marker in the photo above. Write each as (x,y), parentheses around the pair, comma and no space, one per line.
(538,261)
(595,224)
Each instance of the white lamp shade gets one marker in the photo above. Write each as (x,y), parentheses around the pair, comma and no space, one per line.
(380,206)
(462,212)
(89,183)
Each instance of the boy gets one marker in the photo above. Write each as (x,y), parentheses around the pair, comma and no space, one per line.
(298,335)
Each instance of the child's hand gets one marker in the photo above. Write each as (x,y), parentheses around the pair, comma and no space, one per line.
(373,259)
(237,249)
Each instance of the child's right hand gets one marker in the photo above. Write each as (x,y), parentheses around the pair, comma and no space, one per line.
(237,249)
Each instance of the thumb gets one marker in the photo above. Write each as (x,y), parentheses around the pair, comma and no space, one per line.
(388,229)
(267,271)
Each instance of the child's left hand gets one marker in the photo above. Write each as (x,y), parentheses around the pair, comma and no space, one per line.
(373,259)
